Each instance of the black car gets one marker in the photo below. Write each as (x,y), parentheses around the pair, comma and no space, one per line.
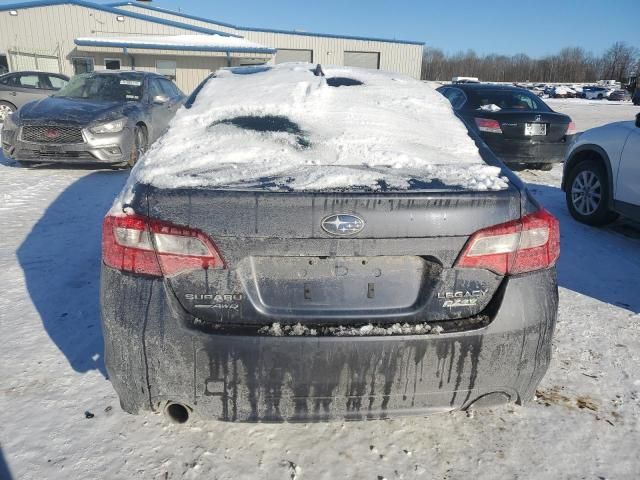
(516,124)
(289,254)
(636,97)
(619,96)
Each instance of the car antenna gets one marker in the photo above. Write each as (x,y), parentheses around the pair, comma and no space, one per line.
(318,71)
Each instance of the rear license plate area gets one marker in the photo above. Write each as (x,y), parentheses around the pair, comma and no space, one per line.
(535,129)
(338,284)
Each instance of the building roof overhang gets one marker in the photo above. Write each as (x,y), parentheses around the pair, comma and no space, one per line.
(193,43)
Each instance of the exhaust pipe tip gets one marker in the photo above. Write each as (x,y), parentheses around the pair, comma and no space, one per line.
(177,412)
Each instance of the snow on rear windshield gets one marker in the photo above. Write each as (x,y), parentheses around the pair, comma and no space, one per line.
(266,123)
(289,126)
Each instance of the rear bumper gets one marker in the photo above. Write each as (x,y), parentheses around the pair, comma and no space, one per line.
(152,358)
(529,151)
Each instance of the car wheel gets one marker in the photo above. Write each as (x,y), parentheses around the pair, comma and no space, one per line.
(544,166)
(139,144)
(516,167)
(6,108)
(588,194)
(599,96)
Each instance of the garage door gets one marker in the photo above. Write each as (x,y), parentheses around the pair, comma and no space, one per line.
(48,64)
(34,61)
(285,55)
(21,61)
(362,59)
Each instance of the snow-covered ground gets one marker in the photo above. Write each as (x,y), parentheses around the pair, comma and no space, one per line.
(60,419)
(592,113)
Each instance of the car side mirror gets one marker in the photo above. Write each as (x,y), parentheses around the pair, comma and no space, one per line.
(638,120)
(160,99)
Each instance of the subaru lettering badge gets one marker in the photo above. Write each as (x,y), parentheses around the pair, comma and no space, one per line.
(343,224)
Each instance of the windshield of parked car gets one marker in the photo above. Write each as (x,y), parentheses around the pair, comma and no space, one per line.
(505,100)
(123,88)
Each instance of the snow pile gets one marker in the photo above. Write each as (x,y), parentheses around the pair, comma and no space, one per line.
(299,330)
(382,134)
(171,41)
(560,90)
(492,107)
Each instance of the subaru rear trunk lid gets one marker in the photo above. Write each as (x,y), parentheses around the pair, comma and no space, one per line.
(326,205)
(283,264)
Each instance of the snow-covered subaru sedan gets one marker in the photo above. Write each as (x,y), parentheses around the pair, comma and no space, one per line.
(306,244)
(602,173)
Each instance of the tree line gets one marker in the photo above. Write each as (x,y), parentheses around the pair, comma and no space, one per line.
(572,64)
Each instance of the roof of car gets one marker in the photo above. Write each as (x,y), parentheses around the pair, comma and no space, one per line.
(125,72)
(484,86)
(32,72)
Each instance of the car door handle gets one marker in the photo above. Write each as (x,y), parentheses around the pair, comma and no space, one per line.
(14,93)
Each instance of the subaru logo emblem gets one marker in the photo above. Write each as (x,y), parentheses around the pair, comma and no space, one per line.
(538,118)
(343,224)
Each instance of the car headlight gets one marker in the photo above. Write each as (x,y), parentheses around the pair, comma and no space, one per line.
(114,126)
(9,123)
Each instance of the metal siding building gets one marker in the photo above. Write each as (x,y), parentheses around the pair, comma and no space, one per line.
(42,35)
(394,55)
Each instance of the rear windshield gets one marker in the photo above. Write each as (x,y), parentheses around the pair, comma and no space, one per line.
(505,100)
(123,88)
(268,123)
(343,82)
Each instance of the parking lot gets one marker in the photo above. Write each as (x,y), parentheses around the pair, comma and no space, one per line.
(60,417)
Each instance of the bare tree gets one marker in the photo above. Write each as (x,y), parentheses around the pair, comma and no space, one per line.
(571,64)
(619,60)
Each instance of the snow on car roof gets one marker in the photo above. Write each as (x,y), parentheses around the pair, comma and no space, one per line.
(287,127)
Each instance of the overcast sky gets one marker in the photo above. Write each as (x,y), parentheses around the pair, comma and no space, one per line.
(536,28)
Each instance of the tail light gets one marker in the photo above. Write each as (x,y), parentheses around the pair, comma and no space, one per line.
(133,243)
(571,129)
(531,243)
(488,125)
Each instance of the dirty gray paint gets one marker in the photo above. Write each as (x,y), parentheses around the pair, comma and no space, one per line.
(158,349)
(250,378)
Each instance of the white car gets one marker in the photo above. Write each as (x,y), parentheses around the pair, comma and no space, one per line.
(560,91)
(596,93)
(601,177)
